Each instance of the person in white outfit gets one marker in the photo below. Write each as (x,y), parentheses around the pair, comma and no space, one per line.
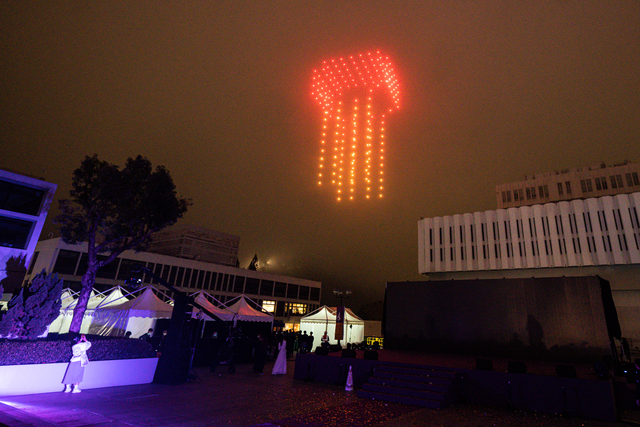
(280,367)
(75,370)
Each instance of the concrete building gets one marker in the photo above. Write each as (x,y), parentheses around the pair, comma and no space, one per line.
(585,236)
(24,205)
(569,184)
(198,243)
(288,298)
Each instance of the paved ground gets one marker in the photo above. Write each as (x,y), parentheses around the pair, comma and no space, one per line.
(245,399)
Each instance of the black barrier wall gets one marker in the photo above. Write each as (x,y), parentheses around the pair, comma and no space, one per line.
(562,318)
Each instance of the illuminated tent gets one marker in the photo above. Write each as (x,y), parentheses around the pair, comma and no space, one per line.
(324,319)
(67,298)
(244,311)
(136,315)
(222,313)
(96,300)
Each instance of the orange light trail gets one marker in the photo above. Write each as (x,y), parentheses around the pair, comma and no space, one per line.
(355,94)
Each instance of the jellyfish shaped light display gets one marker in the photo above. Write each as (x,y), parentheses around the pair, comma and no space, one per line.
(355,93)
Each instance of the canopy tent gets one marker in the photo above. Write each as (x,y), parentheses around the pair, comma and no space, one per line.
(136,315)
(244,311)
(202,298)
(67,298)
(96,300)
(324,319)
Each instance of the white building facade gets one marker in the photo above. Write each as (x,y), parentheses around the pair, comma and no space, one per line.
(592,236)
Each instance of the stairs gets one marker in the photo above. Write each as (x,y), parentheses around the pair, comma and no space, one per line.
(418,385)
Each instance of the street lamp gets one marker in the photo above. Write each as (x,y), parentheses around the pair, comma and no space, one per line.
(340,312)
(342,295)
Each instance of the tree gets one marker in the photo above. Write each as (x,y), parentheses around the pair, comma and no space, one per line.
(33,309)
(113,211)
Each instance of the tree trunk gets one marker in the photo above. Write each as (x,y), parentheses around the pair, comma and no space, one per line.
(88,279)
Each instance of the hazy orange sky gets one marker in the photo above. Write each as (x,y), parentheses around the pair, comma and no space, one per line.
(219,92)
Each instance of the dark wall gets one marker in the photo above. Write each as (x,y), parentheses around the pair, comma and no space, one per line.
(556,318)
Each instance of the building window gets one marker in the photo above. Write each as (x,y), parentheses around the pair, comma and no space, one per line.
(586,185)
(14,233)
(269,306)
(296,309)
(303,293)
(66,262)
(252,286)
(560,192)
(280,290)
(20,199)
(238,284)
(315,294)
(567,185)
(543,190)
(266,288)
(616,181)
(109,271)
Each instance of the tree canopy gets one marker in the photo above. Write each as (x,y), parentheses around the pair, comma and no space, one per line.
(115,210)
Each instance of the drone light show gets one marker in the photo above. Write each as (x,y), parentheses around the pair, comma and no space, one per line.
(355,93)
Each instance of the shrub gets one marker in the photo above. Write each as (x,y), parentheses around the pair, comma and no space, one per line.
(21,352)
(33,309)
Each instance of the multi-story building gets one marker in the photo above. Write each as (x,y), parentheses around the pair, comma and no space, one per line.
(597,235)
(288,298)
(569,184)
(200,244)
(24,204)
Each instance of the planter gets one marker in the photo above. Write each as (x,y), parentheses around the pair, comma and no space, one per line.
(47,377)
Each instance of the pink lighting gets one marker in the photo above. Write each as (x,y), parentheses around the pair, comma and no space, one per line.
(355,94)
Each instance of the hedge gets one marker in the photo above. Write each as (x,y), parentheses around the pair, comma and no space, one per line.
(26,352)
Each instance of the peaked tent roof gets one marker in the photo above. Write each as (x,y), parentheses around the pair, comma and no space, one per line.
(222,313)
(115,297)
(67,298)
(326,314)
(247,313)
(147,304)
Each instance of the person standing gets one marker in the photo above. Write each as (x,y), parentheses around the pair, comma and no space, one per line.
(75,370)
(280,367)
(260,354)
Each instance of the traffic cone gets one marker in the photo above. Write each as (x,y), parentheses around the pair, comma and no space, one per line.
(349,386)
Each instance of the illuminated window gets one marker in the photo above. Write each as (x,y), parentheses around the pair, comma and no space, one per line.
(296,309)
(269,306)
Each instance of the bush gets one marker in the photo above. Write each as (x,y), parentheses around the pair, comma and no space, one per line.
(19,352)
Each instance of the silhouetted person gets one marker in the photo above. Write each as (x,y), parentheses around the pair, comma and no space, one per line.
(262,347)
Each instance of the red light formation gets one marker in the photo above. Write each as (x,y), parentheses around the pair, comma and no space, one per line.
(355,94)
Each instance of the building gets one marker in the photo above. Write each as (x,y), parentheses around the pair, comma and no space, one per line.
(24,205)
(200,244)
(288,298)
(582,183)
(584,236)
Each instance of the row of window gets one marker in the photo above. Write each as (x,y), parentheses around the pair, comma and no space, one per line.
(75,263)
(573,225)
(616,181)
(531,194)
(564,188)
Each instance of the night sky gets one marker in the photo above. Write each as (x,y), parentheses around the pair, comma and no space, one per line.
(219,92)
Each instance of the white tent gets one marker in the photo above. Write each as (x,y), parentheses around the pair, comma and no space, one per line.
(221,312)
(67,298)
(101,299)
(136,315)
(324,319)
(67,313)
(114,297)
(243,311)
